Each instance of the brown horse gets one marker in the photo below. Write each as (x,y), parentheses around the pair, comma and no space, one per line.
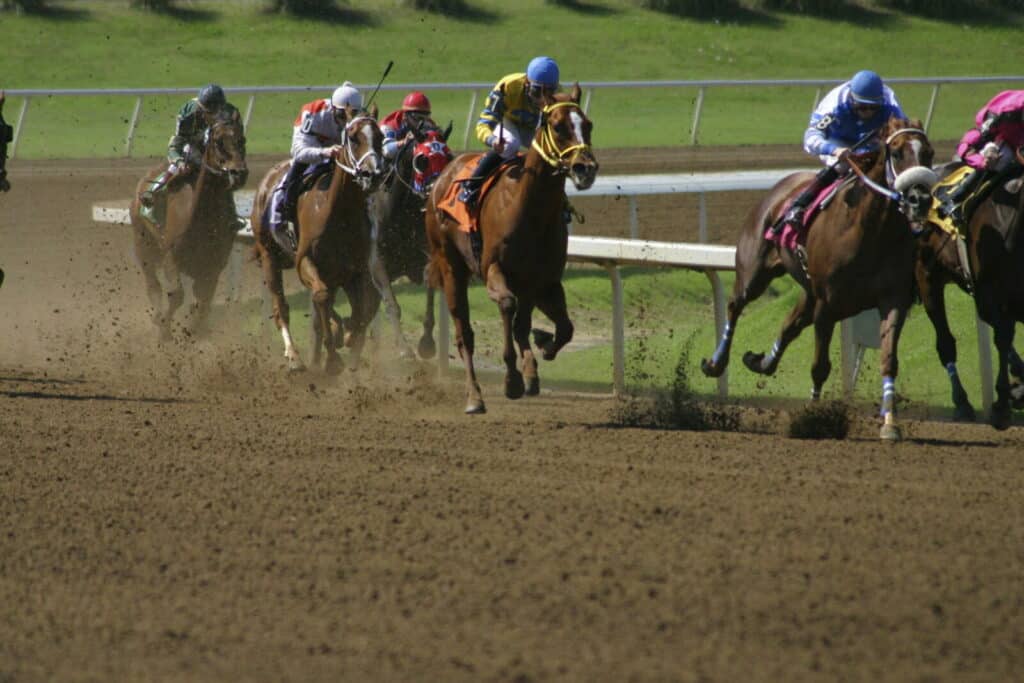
(524,242)
(6,135)
(199,228)
(334,244)
(995,251)
(860,254)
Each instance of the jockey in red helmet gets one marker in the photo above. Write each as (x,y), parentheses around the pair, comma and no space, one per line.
(396,126)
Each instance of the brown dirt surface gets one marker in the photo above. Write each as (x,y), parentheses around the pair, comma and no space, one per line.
(190,512)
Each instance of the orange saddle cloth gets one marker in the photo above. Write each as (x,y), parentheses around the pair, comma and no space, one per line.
(450,203)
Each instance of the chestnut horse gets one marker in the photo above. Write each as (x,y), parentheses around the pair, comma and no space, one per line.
(524,242)
(995,251)
(860,254)
(399,239)
(333,247)
(199,228)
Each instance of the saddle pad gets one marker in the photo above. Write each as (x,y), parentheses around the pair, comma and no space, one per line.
(456,209)
(790,237)
(940,193)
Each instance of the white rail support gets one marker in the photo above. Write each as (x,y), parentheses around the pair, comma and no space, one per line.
(19,126)
(132,127)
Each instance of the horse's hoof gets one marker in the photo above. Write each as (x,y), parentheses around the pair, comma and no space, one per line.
(755,363)
(475,408)
(891,433)
(964,412)
(406,354)
(295,365)
(711,368)
(1017,397)
(533,386)
(1001,417)
(514,386)
(542,337)
(333,366)
(427,348)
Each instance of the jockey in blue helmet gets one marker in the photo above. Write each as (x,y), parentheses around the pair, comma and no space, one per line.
(846,117)
(510,117)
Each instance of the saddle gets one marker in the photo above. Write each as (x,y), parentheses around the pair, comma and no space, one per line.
(791,238)
(456,209)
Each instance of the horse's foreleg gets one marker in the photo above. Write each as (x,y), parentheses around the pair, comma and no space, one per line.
(426,347)
(281,311)
(521,326)
(893,316)
(382,283)
(748,286)
(203,288)
(821,366)
(552,304)
(499,292)
(933,298)
(456,282)
(154,291)
(364,299)
(799,317)
(175,292)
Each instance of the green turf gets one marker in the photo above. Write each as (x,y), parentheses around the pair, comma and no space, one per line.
(670,310)
(103,44)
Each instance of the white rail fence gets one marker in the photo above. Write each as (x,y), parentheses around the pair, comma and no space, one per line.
(474,90)
(857,334)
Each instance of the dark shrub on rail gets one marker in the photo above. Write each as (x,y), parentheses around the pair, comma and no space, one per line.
(701,9)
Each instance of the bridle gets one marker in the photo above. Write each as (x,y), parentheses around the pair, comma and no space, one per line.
(354,164)
(207,151)
(547,145)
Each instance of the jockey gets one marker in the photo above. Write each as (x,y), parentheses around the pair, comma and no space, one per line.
(6,135)
(844,118)
(509,119)
(185,150)
(990,146)
(316,136)
(399,124)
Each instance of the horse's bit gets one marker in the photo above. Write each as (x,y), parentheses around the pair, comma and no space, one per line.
(547,146)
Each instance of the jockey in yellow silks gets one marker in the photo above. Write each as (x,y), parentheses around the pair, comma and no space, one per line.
(509,119)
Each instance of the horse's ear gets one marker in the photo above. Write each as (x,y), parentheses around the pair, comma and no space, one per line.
(373,110)
(576,92)
(447,131)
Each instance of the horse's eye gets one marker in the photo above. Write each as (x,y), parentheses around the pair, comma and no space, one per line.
(897,155)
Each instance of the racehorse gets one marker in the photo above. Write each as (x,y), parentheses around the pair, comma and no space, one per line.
(994,247)
(333,246)
(859,254)
(399,240)
(523,240)
(6,135)
(199,229)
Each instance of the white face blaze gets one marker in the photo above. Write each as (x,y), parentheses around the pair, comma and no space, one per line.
(577,126)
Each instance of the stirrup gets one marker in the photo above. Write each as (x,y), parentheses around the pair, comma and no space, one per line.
(284,236)
(147,198)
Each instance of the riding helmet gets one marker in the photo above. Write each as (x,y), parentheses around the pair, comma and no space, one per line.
(866,88)
(543,71)
(416,101)
(346,96)
(211,97)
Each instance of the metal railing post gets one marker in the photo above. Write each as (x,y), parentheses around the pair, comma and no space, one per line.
(586,101)
(19,126)
(931,107)
(702,220)
(132,125)
(634,218)
(469,121)
(696,115)
(248,112)
(817,98)
(618,333)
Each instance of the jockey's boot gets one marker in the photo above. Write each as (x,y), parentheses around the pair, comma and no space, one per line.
(471,186)
(795,216)
(157,186)
(292,189)
(953,206)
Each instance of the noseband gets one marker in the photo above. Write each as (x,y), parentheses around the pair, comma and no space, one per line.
(354,164)
(546,144)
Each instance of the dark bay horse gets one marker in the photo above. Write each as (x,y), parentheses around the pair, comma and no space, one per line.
(399,237)
(199,228)
(334,244)
(860,254)
(994,246)
(524,242)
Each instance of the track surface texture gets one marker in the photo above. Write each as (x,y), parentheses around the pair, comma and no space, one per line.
(188,512)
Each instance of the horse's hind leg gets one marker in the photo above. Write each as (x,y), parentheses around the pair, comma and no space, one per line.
(499,292)
(382,283)
(456,282)
(750,284)
(799,317)
(426,346)
(281,315)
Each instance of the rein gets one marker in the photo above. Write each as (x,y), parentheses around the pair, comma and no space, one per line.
(890,171)
(547,146)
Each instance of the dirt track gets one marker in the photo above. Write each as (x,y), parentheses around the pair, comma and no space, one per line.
(189,513)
